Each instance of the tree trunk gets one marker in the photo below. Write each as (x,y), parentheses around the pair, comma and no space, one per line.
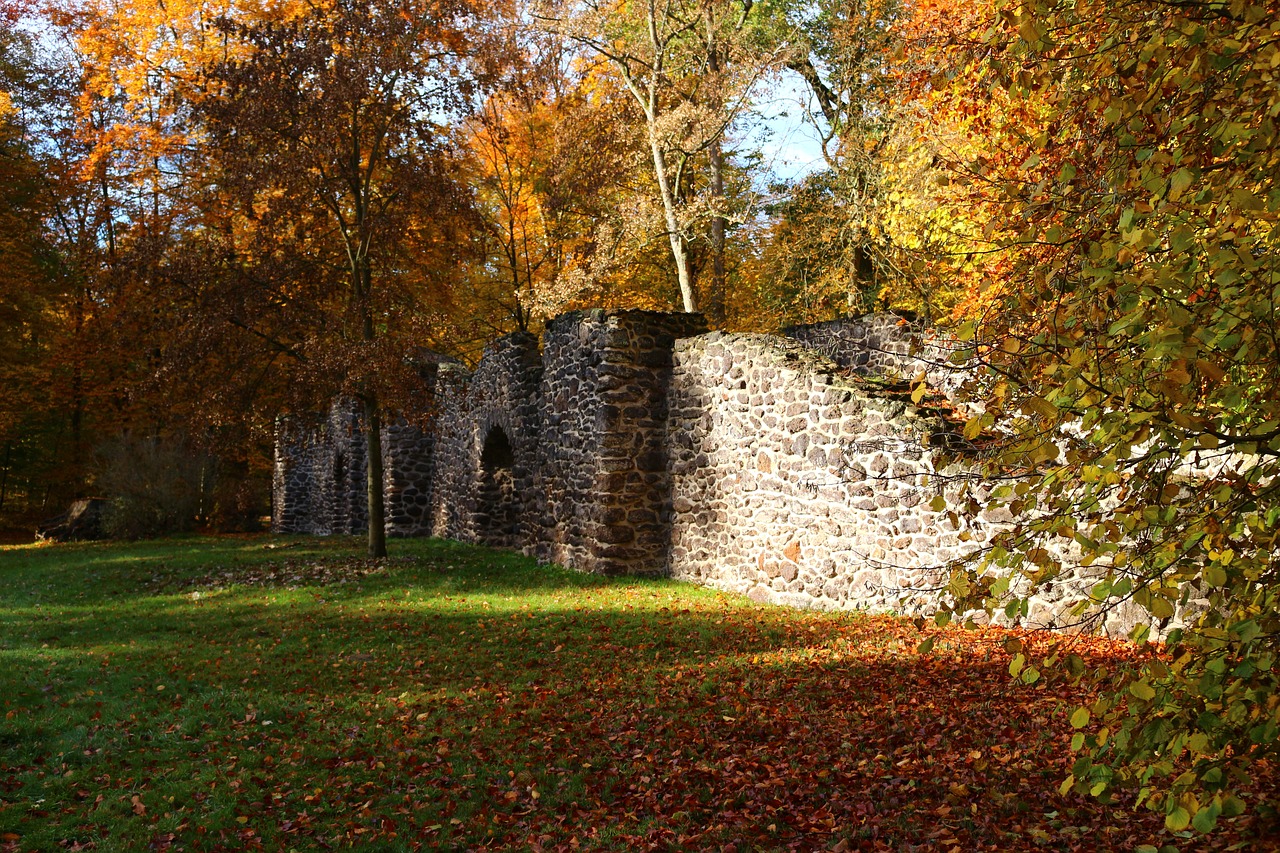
(77,393)
(362,284)
(4,472)
(374,496)
(678,253)
(714,297)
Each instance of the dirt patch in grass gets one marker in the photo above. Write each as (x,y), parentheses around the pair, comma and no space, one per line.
(289,573)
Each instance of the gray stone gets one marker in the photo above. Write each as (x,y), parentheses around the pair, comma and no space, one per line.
(632,443)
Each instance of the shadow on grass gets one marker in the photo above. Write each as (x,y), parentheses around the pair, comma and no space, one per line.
(469,699)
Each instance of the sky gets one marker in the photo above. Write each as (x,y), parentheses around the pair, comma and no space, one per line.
(783,132)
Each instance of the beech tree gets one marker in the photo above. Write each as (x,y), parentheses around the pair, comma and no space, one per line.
(331,125)
(1130,346)
(29,297)
(548,170)
(870,228)
(690,68)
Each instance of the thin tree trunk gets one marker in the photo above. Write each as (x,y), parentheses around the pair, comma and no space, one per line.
(687,295)
(374,496)
(4,472)
(363,284)
(77,393)
(715,300)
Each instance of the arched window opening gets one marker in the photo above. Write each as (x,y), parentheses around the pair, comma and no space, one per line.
(497,516)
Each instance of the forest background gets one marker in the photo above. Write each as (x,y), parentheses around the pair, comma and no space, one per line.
(216,212)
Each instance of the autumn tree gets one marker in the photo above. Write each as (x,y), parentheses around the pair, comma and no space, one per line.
(829,253)
(331,125)
(29,297)
(548,170)
(1130,345)
(105,108)
(689,68)
(879,225)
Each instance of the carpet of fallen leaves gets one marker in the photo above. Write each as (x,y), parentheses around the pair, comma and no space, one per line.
(464,699)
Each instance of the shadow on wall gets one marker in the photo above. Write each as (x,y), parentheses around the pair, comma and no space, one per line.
(497,509)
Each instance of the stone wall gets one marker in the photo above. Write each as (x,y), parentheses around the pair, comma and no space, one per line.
(793,483)
(889,346)
(319,474)
(408,454)
(790,469)
(487,430)
(293,479)
(319,481)
(602,482)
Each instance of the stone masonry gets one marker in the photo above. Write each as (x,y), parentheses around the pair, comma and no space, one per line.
(633,442)
(602,488)
(792,484)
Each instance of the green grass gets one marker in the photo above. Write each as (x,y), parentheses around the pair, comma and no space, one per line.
(283,693)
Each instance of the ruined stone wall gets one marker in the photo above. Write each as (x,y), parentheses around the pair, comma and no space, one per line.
(798,484)
(320,476)
(320,473)
(408,454)
(793,484)
(487,434)
(602,485)
(780,468)
(293,483)
(344,469)
(889,346)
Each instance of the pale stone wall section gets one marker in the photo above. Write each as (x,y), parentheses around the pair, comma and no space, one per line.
(795,483)
(791,484)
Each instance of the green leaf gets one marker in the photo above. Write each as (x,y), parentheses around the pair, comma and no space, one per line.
(1016,665)
(1179,182)
(1144,691)
(1232,806)
(1247,630)
(1215,575)
(926,646)
(1207,818)
(1080,718)
(1177,820)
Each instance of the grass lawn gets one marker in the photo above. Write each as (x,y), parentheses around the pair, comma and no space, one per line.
(283,693)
